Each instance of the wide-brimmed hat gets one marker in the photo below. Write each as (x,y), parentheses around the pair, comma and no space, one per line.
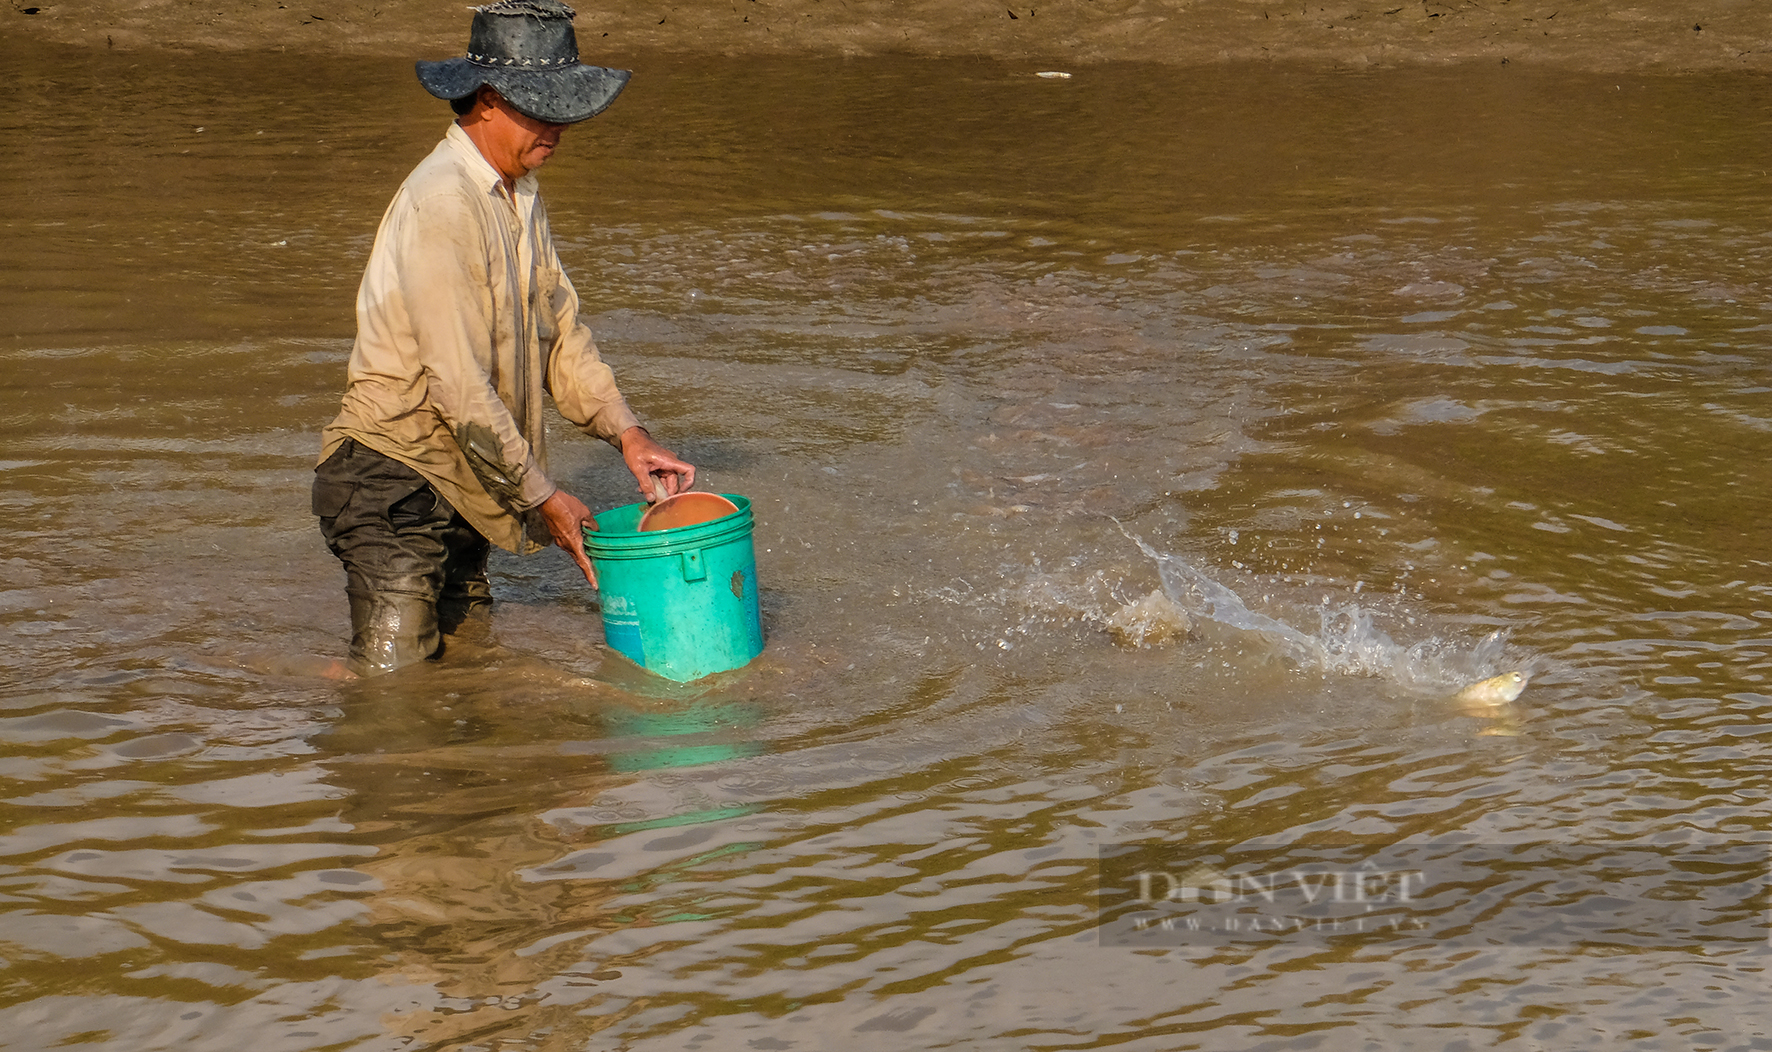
(526,51)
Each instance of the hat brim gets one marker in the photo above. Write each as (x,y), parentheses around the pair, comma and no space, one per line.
(555,96)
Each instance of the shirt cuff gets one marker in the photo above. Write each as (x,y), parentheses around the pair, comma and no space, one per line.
(611,421)
(536,489)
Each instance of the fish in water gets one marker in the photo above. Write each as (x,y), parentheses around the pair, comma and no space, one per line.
(1492,693)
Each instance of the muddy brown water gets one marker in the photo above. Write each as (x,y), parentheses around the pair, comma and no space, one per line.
(1395,380)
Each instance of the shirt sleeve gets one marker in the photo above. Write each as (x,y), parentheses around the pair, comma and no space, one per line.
(581,383)
(442,248)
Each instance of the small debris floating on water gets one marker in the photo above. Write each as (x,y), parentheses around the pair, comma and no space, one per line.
(1053,74)
(1146,622)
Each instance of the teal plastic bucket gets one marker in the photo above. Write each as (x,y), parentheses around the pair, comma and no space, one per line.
(680,602)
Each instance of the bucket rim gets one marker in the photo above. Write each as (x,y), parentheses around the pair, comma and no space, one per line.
(631,544)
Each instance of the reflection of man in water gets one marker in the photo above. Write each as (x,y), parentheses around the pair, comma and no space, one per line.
(464,318)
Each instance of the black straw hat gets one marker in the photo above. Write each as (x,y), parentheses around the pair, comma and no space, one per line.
(527,52)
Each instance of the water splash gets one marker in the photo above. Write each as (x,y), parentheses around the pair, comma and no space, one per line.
(1347,640)
(1204,597)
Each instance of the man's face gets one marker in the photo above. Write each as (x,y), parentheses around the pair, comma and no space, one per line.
(515,144)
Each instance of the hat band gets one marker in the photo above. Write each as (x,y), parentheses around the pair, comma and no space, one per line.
(494,60)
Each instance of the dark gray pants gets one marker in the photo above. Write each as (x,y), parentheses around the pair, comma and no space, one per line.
(414,568)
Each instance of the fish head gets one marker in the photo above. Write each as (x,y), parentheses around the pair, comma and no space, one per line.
(1494,691)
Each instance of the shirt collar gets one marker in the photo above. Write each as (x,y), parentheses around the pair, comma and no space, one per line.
(484,175)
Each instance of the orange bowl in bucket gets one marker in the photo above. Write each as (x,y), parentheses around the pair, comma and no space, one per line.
(686,509)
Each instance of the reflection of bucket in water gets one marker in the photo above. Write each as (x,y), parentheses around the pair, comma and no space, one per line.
(713,732)
(680,602)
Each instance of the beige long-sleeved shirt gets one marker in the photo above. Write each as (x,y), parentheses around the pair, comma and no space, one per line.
(464,318)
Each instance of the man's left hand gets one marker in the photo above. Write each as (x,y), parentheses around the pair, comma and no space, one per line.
(653,465)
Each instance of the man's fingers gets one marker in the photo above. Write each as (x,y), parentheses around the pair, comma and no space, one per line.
(583,558)
(567,520)
(673,480)
(577,551)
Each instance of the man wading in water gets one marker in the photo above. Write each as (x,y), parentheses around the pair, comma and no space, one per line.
(464,318)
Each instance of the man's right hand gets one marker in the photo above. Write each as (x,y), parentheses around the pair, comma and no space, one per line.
(567,519)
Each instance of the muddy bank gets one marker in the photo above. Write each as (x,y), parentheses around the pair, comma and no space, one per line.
(1574,34)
